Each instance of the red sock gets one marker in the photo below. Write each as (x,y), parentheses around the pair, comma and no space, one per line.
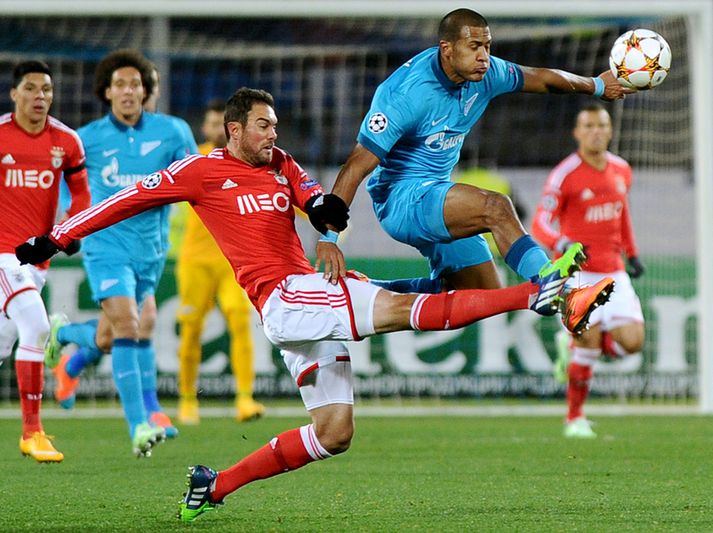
(455,309)
(283,453)
(577,389)
(30,382)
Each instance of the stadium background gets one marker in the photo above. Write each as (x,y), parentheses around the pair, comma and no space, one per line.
(322,73)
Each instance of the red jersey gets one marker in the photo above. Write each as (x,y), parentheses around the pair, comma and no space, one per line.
(591,207)
(248,210)
(31,166)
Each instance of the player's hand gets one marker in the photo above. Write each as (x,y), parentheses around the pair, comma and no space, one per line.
(327,209)
(329,255)
(613,90)
(636,269)
(73,247)
(36,250)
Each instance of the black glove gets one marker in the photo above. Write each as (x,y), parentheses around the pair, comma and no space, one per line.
(73,247)
(636,269)
(36,250)
(327,209)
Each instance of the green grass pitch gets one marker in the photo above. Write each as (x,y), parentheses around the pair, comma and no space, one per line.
(402,474)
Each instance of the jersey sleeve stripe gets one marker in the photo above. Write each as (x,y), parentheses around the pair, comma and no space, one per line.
(83,216)
(177,166)
(561,171)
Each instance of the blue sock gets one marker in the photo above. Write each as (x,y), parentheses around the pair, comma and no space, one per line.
(526,257)
(403,286)
(147,365)
(83,334)
(127,378)
(81,359)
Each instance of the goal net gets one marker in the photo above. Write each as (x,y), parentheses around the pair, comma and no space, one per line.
(322,72)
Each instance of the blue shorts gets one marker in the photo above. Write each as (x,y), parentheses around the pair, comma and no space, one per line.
(117,277)
(412,213)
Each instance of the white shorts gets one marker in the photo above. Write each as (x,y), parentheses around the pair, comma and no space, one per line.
(310,320)
(622,308)
(16,278)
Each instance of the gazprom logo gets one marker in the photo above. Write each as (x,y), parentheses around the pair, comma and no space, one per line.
(111,177)
(438,141)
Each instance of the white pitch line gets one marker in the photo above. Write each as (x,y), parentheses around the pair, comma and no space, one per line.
(408,411)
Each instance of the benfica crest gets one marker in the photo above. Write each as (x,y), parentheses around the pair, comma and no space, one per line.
(57,153)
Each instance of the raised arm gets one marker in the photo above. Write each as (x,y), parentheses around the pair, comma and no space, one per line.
(546,80)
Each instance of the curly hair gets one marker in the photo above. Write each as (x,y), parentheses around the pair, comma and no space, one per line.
(120,59)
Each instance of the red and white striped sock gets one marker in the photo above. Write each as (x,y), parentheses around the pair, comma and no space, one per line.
(288,451)
(455,309)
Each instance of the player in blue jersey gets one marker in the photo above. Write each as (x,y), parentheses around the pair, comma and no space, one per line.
(410,140)
(124,262)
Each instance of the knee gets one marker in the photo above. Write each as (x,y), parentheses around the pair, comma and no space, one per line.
(336,437)
(498,208)
(124,327)
(632,341)
(238,322)
(190,326)
(147,320)
(104,341)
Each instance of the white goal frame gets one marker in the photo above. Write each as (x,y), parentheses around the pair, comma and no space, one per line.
(698,12)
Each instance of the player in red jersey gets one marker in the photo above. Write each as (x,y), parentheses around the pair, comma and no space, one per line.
(585,199)
(36,150)
(245,195)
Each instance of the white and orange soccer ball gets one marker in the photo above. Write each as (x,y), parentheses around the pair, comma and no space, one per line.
(640,59)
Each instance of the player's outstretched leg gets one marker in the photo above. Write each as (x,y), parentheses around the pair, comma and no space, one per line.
(53,348)
(553,276)
(196,500)
(578,304)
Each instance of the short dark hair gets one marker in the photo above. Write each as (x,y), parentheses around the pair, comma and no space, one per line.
(27,67)
(241,102)
(451,25)
(594,107)
(217,105)
(119,59)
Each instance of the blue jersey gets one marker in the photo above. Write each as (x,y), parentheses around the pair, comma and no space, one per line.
(119,156)
(419,118)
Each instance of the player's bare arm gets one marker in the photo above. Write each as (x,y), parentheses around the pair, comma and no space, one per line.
(546,80)
(359,165)
(332,214)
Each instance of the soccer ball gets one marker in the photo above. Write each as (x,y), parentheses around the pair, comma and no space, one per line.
(640,59)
